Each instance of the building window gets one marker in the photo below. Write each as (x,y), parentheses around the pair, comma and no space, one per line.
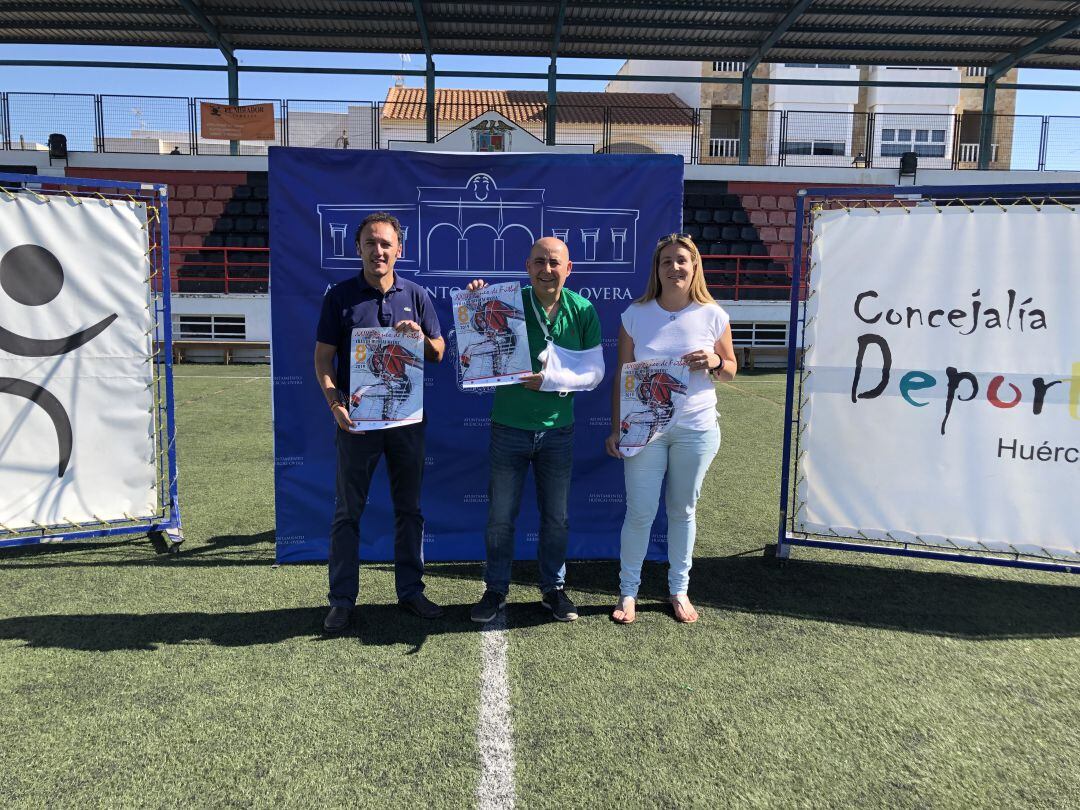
(975,71)
(728,67)
(814,65)
(723,123)
(970,126)
(814,148)
(923,142)
(210,327)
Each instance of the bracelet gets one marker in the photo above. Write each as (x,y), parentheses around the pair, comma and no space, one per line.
(715,372)
(335,401)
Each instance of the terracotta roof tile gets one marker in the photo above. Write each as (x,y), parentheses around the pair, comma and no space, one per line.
(658,109)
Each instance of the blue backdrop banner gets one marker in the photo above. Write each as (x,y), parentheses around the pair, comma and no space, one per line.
(464,216)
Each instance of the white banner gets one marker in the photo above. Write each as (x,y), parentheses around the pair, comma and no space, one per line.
(76,428)
(942,386)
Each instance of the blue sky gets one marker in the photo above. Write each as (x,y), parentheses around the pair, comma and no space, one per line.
(360,88)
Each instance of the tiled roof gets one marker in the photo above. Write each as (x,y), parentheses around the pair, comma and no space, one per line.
(658,109)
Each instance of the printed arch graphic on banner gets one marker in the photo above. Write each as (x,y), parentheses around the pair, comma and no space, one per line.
(601,204)
(32,276)
(482,228)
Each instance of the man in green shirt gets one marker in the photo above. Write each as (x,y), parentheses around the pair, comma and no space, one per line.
(533,424)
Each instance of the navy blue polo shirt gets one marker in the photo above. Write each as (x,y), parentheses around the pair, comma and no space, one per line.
(354,303)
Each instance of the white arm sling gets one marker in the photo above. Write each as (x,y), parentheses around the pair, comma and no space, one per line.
(567,370)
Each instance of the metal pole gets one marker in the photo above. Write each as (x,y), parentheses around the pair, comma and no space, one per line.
(430,98)
(1044,134)
(552,102)
(986,124)
(744,117)
(234,93)
(782,549)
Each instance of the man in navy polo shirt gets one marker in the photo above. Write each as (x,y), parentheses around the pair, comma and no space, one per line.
(376,297)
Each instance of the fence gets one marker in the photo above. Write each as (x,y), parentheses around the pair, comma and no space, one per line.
(170,125)
(220,270)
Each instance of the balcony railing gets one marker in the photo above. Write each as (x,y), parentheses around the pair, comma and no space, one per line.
(723,147)
(170,126)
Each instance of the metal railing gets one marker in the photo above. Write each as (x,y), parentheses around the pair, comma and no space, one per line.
(220,270)
(170,126)
(749,278)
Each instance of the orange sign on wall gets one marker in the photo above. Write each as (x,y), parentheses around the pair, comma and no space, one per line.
(252,122)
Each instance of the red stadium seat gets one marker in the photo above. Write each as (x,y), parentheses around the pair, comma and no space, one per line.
(223,193)
(203,225)
(768,235)
(778,218)
(759,218)
(787,234)
(779,249)
(184,192)
(194,208)
(191,240)
(181,225)
(214,208)
(750,202)
(204,193)
(786,203)
(768,203)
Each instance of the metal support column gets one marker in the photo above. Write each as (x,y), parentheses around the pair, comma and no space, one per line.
(234,93)
(744,116)
(986,122)
(429,98)
(552,106)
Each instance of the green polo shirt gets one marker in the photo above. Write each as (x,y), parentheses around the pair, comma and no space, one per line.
(577,327)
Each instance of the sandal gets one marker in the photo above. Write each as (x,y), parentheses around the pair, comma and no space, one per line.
(685,612)
(625,611)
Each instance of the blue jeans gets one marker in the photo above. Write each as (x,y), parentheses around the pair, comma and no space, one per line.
(550,452)
(684,457)
(358,455)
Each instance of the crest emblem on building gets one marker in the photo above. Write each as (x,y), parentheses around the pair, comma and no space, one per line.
(491,135)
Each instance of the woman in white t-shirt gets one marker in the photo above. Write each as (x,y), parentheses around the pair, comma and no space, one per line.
(675,318)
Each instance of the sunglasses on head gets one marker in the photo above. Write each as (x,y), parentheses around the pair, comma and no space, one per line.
(673,237)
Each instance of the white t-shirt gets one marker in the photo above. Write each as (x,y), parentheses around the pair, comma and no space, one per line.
(658,333)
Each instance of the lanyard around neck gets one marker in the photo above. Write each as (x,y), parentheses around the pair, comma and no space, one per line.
(540,317)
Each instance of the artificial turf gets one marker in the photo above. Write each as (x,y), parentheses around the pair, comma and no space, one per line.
(136,678)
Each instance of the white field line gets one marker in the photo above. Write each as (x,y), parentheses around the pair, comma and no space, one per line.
(217,377)
(494,735)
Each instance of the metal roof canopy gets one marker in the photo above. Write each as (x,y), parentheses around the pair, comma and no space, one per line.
(990,33)
(997,34)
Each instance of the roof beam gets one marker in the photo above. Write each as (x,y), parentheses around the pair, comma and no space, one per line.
(1013,59)
(421,24)
(216,37)
(556,33)
(781,28)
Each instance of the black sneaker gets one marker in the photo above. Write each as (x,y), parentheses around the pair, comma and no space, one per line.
(560,605)
(488,607)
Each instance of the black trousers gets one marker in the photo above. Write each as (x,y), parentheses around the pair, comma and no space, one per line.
(358,455)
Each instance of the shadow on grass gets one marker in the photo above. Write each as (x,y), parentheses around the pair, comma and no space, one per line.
(936,602)
(136,550)
(374,625)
